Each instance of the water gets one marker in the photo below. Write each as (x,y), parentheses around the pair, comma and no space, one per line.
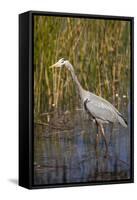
(64,151)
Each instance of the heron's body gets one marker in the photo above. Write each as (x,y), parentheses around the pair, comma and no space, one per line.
(98,109)
(101,110)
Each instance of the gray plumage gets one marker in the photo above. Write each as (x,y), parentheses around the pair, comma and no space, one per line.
(103,111)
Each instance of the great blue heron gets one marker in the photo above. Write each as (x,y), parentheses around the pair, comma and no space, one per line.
(99,110)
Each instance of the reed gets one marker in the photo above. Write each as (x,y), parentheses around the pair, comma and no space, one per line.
(99,51)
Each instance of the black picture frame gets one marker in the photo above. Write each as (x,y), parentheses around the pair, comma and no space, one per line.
(26,98)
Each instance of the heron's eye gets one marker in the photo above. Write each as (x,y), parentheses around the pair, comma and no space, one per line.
(62,61)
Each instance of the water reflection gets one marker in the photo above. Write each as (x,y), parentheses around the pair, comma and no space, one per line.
(64,151)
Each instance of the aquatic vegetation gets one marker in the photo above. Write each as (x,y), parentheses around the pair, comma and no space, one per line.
(99,50)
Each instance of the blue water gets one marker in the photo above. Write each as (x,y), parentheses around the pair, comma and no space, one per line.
(64,151)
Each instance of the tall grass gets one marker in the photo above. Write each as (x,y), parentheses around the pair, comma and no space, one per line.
(99,51)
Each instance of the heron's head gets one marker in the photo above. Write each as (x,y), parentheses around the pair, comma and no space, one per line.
(62,63)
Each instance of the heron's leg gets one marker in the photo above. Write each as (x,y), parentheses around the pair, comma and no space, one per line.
(97,140)
(103,135)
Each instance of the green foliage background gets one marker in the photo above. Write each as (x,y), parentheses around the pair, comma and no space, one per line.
(98,49)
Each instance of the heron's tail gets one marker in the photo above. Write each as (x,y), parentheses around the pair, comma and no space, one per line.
(122,121)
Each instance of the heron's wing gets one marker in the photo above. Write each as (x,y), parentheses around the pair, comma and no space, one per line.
(101,109)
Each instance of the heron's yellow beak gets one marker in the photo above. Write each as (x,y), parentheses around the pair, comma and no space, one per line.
(57,64)
(52,66)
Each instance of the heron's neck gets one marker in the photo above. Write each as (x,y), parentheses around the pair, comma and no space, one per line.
(75,79)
